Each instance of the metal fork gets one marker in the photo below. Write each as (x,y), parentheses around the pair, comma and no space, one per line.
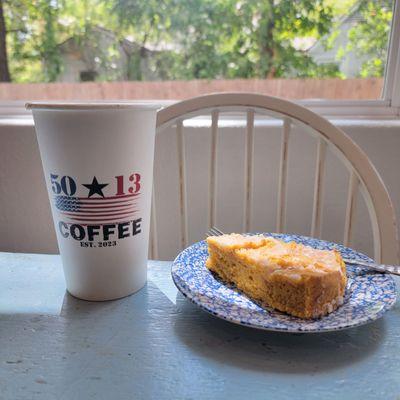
(383,268)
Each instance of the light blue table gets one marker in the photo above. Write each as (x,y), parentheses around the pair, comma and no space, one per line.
(157,345)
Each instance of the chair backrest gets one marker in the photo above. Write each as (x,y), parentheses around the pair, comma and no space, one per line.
(363,177)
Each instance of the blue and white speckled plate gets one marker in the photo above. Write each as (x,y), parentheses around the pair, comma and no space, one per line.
(368,295)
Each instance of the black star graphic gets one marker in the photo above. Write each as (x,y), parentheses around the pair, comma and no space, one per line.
(95,187)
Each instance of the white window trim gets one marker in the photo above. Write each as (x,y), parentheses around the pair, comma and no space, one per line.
(389,105)
(391,90)
(386,108)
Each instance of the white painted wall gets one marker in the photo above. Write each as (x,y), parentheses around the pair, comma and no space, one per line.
(25,220)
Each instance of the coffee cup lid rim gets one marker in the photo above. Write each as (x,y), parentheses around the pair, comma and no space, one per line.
(93,105)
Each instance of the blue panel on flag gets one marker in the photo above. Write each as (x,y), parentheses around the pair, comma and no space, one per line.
(66,203)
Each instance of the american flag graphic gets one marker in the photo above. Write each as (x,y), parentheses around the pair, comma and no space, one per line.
(98,210)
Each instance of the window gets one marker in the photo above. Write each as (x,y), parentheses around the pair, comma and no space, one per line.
(340,50)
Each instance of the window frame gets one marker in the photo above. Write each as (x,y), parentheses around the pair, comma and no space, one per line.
(385,108)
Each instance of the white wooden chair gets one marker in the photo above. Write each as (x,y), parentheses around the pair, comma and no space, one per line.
(362,175)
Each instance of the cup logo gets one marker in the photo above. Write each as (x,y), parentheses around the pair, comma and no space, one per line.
(104,212)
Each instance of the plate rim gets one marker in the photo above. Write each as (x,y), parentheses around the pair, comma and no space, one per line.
(187,294)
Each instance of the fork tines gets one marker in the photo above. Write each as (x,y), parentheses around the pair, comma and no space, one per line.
(213,231)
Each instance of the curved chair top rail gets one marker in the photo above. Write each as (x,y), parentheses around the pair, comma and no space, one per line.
(377,198)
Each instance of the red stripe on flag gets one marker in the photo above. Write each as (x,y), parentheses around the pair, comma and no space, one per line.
(99,215)
(117,206)
(99,212)
(108,198)
(105,202)
(119,222)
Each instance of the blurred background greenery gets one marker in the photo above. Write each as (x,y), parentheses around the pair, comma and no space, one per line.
(120,40)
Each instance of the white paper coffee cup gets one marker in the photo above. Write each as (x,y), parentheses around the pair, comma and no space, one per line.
(98,166)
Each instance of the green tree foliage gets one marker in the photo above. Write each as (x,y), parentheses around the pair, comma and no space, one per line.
(231,38)
(32,39)
(266,32)
(191,39)
(49,50)
(37,28)
(369,38)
